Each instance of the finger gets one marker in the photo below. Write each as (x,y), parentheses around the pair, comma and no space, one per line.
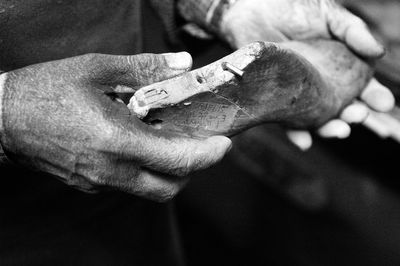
(355,113)
(335,129)
(128,177)
(353,31)
(300,138)
(165,152)
(137,70)
(156,186)
(380,124)
(378,97)
(181,156)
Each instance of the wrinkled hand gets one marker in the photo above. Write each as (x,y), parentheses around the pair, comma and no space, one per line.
(282,20)
(62,117)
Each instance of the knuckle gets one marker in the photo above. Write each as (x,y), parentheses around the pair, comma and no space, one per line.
(140,61)
(109,135)
(150,67)
(108,138)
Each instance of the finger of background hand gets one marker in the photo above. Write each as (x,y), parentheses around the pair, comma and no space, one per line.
(335,129)
(137,70)
(182,156)
(378,97)
(356,112)
(353,31)
(156,186)
(300,138)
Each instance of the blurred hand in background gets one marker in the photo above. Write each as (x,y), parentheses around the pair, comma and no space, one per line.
(283,20)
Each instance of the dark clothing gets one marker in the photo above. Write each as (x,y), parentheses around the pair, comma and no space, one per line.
(39,31)
(45,222)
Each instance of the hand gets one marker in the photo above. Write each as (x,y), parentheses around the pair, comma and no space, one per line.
(282,20)
(63,118)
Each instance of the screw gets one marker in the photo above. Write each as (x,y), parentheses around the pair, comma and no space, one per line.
(231,68)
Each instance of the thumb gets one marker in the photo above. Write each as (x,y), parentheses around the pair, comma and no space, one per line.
(353,31)
(138,70)
(170,154)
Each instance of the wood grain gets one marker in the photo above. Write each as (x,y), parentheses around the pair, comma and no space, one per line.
(299,84)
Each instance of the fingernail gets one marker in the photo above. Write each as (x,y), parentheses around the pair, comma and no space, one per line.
(182,60)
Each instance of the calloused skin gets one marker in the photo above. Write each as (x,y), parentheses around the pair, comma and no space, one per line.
(282,20)
(62,117)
